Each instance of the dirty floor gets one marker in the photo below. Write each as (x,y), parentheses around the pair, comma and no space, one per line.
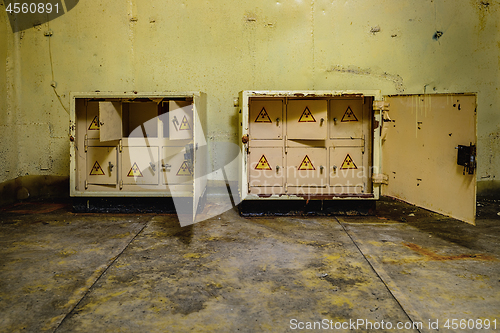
(67,272)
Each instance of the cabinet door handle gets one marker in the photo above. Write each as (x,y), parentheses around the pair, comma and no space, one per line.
(153,166)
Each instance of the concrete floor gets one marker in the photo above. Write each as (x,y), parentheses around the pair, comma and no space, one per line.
(67,272)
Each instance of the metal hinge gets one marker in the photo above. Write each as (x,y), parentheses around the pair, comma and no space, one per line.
(121,184)
(120,146)
(86,140)
(86,184)
(380,178)
(380,106)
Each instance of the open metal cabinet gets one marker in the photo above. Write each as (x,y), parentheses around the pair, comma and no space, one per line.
(140,145)
(357,145)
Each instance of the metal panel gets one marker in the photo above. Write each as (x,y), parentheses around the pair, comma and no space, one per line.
(110,121)
(200,153)
(140,166)
(419,154)
(307,119)
(180,120)
(265,167)
(176,169)
(101,165)
(92,120)
(266,119)
(307,167)
(346,118)
(347,171)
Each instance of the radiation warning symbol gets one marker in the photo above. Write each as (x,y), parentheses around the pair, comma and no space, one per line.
(348,163)
(349,116)
(184,170)
(307,117)
(134,171)
(184,124)
(96,170)
(263,164)
(263,117)
(94,125)
(306,164)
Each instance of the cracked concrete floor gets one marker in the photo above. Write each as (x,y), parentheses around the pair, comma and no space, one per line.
(68,272)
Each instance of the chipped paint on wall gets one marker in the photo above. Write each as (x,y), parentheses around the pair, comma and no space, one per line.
(224,47)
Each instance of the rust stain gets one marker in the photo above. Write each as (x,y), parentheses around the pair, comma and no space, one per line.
(437,257)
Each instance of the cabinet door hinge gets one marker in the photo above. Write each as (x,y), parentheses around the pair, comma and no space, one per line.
(380,178)
(380,106)
(121,184)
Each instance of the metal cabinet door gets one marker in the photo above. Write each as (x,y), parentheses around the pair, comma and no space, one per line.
(347,172)
(176,169)
(140,166)
(346,118)
(92,120)
(419,155)
(110,121)
(306,119)
(306,167)
(265,167)
(266,119)
(101,165)
(180,120)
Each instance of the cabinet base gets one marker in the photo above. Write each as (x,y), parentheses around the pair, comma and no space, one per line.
(250,208)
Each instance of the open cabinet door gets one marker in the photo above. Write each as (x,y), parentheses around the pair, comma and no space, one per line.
(420,138)
(200,158)
(110,118)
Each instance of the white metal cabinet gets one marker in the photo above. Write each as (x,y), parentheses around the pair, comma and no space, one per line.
(119,143)
(401,146)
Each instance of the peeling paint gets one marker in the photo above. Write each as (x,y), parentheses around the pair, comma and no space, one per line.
(398,80)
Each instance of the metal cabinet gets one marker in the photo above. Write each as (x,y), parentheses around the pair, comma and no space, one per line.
(138,145)
(358,145)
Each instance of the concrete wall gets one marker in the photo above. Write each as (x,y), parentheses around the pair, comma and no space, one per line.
(222,47)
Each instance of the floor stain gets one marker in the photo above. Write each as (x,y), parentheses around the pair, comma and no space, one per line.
(437,257)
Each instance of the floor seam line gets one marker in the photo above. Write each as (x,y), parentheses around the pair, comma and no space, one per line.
(100,275)
(378,275)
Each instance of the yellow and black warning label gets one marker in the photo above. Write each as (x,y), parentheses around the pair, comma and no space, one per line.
(184,124)
(348,163)
(307,116)
(263,164)
(263,117)
(96,170)
(306,164)
(94,125)
(184,170)
(134,171)
(349,116)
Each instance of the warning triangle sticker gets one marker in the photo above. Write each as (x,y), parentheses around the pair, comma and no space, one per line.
(263,117)
(307,116)
(184,170)
(94,125)
(96,170)
(134,171)
(263,164)
(306,164)
(184,124)
(349,116)
(348,163)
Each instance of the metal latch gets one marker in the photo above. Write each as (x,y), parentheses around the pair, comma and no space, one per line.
(466,157)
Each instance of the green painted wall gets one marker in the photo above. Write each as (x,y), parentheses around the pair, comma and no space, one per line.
(223,47)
